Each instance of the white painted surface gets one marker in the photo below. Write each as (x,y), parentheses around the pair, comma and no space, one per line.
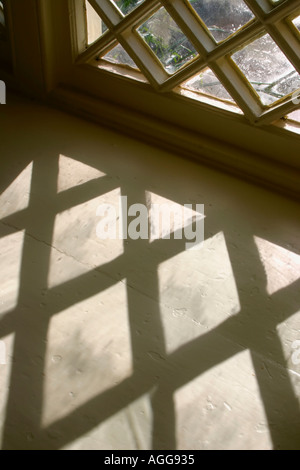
(137,345)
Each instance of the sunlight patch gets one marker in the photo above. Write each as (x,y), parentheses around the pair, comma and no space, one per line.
(197,292)
(222,409)
(74,173)
(88,352)
(167,216)
(11,248)
(76,248)
(289,334)
(16,197)
(129,429)
(282,266)
(5,373)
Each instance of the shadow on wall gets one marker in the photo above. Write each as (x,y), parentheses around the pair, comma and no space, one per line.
(115,362)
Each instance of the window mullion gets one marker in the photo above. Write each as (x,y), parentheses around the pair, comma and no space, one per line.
(140,14)
(287,41)
(190,25)
(220,51)
(277,112)
(184,74)
(143,57)
(103,44)
(78,26)
(264,11)
(209,50)
(282,11)
(259,7)
(126,23)
(119,23)
(229,75)
(109,13)
(215,55)
(236,41)
(130,41)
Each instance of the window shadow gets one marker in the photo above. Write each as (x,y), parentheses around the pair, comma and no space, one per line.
(156,371)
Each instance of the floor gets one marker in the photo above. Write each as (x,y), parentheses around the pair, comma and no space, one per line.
(140,344)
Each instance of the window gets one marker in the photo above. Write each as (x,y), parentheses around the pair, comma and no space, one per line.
(243,54)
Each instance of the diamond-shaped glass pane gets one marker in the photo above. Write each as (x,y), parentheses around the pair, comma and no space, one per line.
(118,55)
(167,41)
(126,6)
(296,22)
(95,26)
(224,17)
(207,83)
(267,69)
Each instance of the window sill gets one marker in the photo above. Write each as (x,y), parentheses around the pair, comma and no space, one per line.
(280,173)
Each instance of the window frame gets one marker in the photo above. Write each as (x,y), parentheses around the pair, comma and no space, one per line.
(268,19)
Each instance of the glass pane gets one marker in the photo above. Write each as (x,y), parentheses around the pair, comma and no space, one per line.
(267,69)
(296,22)
(167,41)
(222,18)
(126,6)
(207,83)
(118,55)
(95,26)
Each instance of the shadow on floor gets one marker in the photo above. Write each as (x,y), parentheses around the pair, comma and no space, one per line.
(253,328)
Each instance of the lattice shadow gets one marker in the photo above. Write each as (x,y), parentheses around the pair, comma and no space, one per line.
(23,429)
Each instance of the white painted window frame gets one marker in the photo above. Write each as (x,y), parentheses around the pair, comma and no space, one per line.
(269,18)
